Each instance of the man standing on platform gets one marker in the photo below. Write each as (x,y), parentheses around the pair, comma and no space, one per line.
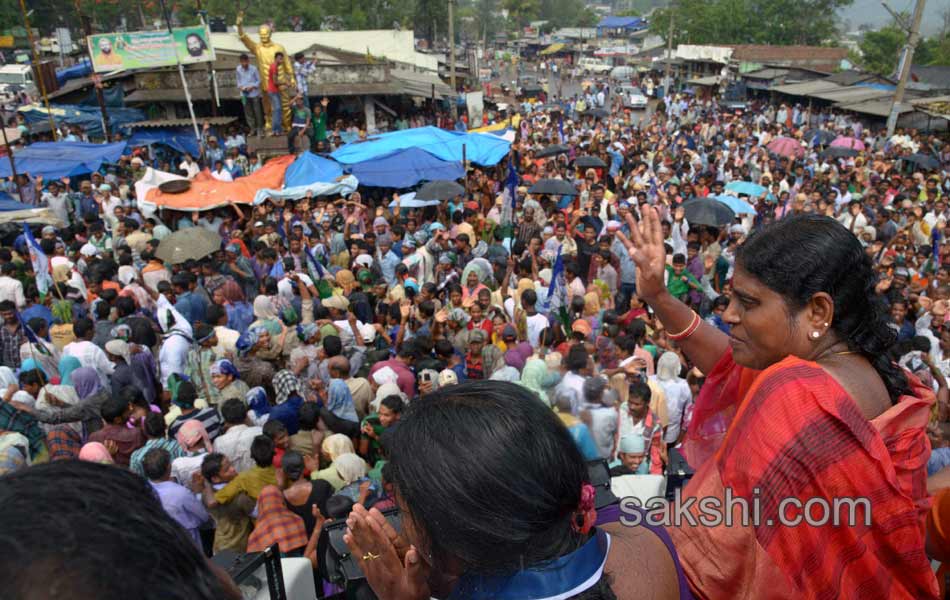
(249,82)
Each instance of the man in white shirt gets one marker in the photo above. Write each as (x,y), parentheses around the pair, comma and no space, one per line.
(89,354)
(235,442)
(189,166)
(220,173)
(58,201)
(11,289)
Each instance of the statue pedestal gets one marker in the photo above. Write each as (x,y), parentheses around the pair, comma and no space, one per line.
(267,147)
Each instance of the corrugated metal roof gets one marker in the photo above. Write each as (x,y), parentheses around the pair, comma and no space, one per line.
(852,94)
(402,81)
(935,106)
(215,121)
(807,88)
(708,80)
(767,73)
(878,108)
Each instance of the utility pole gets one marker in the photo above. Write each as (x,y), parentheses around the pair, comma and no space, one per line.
(181,73)
(451,61)
(36,68)
(669,57)
(97,85)
(904,66)
(212,79)
(16,178)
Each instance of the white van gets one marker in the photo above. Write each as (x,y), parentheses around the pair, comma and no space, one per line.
(15,78)
(589,64)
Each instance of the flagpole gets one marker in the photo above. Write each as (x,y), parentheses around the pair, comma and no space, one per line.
(36,71)
(16,178)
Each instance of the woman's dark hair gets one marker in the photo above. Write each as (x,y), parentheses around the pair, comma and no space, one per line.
(449,465)
(800,256)
(394,403)
(114,514)
(273,428)
(292,465)
(154,425)
(187,394)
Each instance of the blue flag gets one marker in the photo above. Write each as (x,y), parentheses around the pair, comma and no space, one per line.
(39,261)
(557,290)
(320,271)
(935,255)
(31,336)
(560,128)
(277,271)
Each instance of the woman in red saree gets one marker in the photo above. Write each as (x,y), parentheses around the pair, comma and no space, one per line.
(802,402)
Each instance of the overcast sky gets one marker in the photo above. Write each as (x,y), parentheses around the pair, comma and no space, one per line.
(872,13)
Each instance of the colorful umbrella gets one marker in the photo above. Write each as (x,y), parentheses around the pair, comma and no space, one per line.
(848,142)
(819,137)
(192,243)
(738,206)
(786,146)
(746,188)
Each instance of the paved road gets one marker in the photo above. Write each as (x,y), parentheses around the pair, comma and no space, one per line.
(557,85)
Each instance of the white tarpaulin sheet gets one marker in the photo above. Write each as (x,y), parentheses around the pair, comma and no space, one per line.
(151,180)
(344,187)
(717,54)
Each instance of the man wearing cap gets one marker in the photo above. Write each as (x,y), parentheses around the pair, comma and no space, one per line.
(345,323)
(386,258)
(632,454)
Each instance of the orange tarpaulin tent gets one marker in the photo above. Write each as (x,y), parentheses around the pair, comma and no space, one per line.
(207,192)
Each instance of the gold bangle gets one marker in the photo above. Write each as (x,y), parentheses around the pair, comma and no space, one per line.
(690,329)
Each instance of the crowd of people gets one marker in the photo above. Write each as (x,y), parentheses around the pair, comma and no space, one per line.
(337,357)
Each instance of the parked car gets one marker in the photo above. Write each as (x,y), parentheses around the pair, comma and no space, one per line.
(623,73)
(589,64)
(633,97)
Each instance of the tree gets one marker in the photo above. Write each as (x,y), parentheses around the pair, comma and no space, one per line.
(880,49)
(777,22)
(522,12)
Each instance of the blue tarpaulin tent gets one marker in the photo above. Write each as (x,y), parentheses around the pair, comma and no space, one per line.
(620,25)
(310,168)
(485,150)
(7,203)
(87,117)
(181,139)
(81,69)
(53,160)
(405,168)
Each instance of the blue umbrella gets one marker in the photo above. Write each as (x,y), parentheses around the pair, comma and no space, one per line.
(738,206)
(819,137)
(746,188)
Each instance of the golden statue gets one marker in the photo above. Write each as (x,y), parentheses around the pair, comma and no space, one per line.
(266,51)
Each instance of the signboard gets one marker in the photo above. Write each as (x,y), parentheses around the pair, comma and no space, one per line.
(6,41)
(145,49)
(65,40)
(475,102)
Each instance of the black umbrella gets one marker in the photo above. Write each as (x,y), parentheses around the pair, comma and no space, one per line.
(597,113)
(553,187)
(819,137)
(440,190)
(924,161)
(705,211)
(552,107)
(589,162)
(839,152)
(552,150)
